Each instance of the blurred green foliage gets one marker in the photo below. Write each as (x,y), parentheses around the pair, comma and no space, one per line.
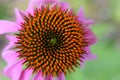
(3,11)
(106,65)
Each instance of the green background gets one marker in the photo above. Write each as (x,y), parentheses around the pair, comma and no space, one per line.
(106,14)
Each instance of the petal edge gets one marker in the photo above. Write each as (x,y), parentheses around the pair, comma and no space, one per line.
(7,27)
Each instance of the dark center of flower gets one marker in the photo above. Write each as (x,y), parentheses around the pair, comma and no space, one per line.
(51,41)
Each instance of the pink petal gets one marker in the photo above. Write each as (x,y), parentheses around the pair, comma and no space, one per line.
(81,14)
(50,1)
(31,4)
(19,15)
(91,38)
(87,56)
(64,5)
(10,56)
(7,26)
(14,70)
(12,41)
(61,76)
(25,74)
(38,76)
(49,77)
(86,23)
(38,3)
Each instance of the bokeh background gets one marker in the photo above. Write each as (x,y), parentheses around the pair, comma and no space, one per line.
(106,14)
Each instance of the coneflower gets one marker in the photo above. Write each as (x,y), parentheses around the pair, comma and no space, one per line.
(48,40)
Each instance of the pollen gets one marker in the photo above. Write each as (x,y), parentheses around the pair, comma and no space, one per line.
(52,41)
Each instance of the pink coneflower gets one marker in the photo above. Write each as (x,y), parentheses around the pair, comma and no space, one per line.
(48,40)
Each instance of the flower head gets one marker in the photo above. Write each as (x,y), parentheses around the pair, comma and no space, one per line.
(47,41)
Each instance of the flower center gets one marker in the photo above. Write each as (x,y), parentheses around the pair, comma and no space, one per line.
(51,41)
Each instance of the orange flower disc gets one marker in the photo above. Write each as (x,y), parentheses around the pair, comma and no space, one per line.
(52,41)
